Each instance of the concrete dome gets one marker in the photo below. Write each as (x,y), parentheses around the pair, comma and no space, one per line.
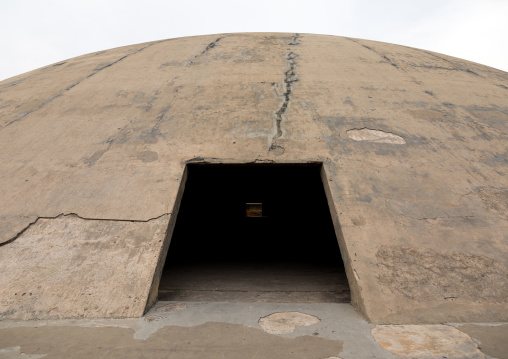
(413,147)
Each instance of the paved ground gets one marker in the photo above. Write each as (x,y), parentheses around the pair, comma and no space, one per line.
(248,330)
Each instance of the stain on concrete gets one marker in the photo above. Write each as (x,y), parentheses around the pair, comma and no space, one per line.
(171,307)
(15,352)
(432,115)
(242,57)
(90,161)
(349,102)
(417,210)
(377,136)
(286,322)
(10,84)
(151,318)
(277,150)
(491,339)
(496,200)
(365,198)
(210,340)
(151,136)
(426,341)
(432,67)
(427,275)
(144,101)
(148,156)
(493,117)
(358,221)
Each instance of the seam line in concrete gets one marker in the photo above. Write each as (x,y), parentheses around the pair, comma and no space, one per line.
(68,88)
(386,58)
(80,217)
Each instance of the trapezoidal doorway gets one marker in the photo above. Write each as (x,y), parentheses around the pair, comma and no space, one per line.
(254,233)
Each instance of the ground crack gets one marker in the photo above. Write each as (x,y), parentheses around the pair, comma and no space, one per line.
(80,217)
(290,77)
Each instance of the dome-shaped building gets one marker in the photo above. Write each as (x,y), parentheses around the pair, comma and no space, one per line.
(263,140)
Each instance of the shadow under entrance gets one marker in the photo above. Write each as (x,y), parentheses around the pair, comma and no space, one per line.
(254,233)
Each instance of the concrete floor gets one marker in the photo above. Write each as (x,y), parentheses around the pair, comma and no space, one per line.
(276,282)
(242,330)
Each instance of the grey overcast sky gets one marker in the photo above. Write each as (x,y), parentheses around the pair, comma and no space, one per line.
(35,33)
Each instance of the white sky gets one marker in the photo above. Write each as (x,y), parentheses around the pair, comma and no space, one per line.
(35,33)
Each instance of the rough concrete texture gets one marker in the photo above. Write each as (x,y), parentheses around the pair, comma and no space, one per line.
(424,341)
(106,136)
(232,330)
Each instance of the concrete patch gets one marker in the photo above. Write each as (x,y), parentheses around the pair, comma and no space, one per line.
(210,340)
(286,322)
(15,352)
(148,156)
(426,341)
(377,136)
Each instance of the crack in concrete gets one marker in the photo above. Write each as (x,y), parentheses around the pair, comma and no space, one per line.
(455,67)
(429,218)
(290,77)
(209,47)
(386,58)
(68,88)
(446,68)
(383,56)
(80,217)
(11,84)
(295,40)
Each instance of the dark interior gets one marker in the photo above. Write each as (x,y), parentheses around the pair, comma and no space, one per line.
(214,242)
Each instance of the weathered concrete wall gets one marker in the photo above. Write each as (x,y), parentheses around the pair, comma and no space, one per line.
(421,199)
(72,267)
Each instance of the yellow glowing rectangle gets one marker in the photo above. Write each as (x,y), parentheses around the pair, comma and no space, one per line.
(254,209)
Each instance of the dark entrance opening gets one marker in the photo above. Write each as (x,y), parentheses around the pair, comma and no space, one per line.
(254,233)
